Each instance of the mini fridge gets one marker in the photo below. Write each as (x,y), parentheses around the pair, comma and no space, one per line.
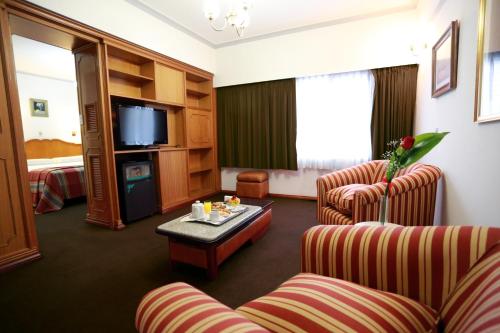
(137,191)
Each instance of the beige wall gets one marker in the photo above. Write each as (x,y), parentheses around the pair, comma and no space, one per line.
(124,20)
(356,45)
(470,155)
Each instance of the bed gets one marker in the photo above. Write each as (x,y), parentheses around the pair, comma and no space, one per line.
(56,173)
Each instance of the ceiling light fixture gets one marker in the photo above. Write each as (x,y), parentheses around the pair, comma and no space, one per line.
(237,16)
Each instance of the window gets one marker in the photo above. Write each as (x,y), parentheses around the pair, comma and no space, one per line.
(490,98)
(333,120)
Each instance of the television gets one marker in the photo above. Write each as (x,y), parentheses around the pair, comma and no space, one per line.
(140,126)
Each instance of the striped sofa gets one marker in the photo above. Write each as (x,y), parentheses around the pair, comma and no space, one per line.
(352,195)
(358,279)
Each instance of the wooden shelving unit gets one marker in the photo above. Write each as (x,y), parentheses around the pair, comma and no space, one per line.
(185,168)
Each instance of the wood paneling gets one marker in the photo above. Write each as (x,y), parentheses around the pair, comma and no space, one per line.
(199,128)
(176,126)
(51,148)
(100,201)
(18,241)
(173,177)
(169,84)
(42,33)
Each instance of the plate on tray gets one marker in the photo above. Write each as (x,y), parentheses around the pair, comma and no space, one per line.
(228,214)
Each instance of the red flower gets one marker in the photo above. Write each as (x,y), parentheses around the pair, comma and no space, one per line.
(407,142)
(384,179)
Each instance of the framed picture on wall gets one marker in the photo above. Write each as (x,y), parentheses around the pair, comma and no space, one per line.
(487,103)
(39,107)
(445,61)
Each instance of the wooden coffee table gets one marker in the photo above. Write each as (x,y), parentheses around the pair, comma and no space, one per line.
(207,246)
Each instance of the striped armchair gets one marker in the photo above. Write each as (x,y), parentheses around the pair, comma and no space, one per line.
(352,195)
(358,279)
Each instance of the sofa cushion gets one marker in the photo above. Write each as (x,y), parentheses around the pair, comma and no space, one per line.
(342,197)
(314,303)
(178,307)
(474,304)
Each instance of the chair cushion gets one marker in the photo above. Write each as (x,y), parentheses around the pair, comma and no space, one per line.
(341,198)
(474,304)
(253,176)
(315,303)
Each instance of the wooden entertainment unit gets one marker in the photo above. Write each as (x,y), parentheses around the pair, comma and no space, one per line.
(108,69)
(185,167)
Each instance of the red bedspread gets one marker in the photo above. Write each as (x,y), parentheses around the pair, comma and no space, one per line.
(51,186)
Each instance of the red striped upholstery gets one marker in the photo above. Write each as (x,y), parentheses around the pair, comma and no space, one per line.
(314,303)
(422,263)
(411,199)
(178,307)
(474,305)
(367,279)
(341,198)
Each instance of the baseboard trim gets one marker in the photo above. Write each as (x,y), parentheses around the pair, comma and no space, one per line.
(117,225)
(280,195)
(21,258)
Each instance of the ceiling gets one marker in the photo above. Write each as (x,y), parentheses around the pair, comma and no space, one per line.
(268,17)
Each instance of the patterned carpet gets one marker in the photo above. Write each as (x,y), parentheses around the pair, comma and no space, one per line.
(91,279)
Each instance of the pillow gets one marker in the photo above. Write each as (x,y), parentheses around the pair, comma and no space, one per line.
(341,198)
(39,161)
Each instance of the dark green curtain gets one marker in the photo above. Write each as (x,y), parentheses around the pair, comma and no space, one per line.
(257,125)
(393,105)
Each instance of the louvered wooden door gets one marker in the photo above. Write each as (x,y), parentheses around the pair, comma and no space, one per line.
(99,169)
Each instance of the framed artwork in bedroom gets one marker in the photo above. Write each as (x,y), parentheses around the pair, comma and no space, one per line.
(39,107)
(487,101)
(445,61)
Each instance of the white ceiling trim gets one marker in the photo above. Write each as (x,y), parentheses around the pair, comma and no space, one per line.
(159,15)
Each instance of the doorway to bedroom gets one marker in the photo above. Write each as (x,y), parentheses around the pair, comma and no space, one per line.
(47,88)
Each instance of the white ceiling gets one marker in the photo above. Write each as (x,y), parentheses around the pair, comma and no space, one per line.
(268,17)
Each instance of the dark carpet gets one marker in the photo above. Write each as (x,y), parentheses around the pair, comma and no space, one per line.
(91,279)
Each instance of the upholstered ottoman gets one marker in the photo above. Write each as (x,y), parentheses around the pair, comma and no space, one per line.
(252,184)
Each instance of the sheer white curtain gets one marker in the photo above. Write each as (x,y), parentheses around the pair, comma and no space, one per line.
(333,120)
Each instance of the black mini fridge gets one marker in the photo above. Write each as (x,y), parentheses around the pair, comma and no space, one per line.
(137,191)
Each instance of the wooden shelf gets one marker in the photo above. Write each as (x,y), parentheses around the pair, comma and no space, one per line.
(166,148)
(137,151)
(148,100)
(129,76)
(196,78)
(203,169)
(198,108)
(196,93)
(200,193)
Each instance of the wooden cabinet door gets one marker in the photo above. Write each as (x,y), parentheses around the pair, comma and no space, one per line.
(199,128)
(102,202)
(18,242)
(173,177)
(169,84)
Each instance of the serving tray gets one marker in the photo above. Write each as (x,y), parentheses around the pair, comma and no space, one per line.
(235,211)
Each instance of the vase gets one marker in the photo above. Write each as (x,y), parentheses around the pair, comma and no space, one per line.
(383,210)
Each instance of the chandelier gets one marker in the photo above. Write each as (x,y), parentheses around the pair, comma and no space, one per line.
(237,16)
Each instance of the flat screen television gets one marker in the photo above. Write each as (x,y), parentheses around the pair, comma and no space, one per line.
(140,126)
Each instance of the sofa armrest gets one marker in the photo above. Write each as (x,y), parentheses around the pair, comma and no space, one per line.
(424,175)
(178,307)
(423,263)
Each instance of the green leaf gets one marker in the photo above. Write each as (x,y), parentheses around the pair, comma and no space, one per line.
(424,143)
